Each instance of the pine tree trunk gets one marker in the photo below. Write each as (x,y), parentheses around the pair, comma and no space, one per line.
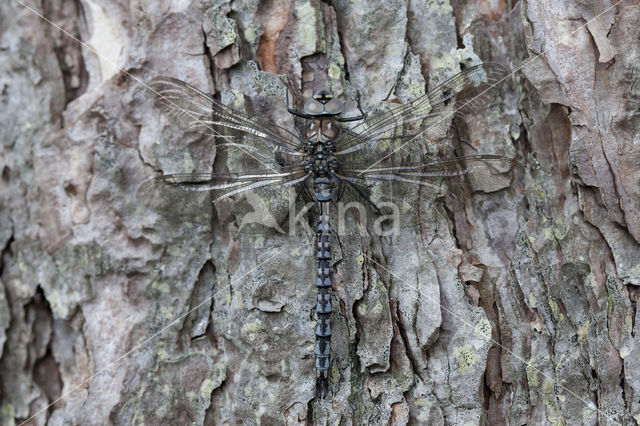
(513,305)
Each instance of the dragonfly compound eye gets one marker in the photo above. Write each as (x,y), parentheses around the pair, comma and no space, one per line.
(313,107)
(323,104)
(334,106)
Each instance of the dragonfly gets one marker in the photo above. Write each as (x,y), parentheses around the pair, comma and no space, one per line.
(326,156)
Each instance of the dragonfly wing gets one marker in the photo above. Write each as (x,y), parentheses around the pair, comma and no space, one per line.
(473,165)
(220,185)
(257,141)
(400,129)
(486,172)
(178,197)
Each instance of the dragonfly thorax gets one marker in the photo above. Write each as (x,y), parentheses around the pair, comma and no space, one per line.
(320,148)
(321,160)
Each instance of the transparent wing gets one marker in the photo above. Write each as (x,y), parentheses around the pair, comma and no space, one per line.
(260,199)
(488,172)
(400,128)
(264,160)
(221,185)
(476,165)
(257,141)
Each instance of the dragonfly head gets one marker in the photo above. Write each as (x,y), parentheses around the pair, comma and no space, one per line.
(323,96)
(323,104)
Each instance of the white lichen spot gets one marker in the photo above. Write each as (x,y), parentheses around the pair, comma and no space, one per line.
(58,309)
(483,329)
(191,395)
(334,72)
(239,303)
(161,286)
(533,302)
(467,56)
(233,98)
(251,330)
(360,259)
(166,390)
(166,312)
(591,279)
(138,417)
(224,31)
(532,374)
(466,358)
(548,398)
(162,354)
(335,372)
(447,61)
(107,38)
(259,241)
(444,7)
(555,309)
(250,34)
(22,266)
(362,309)
(625,351)
(247,390)
(377,310)
(7,411)
(548,234)
(560,231)
(174,251)
(423,402)
(538,326)
(582,331)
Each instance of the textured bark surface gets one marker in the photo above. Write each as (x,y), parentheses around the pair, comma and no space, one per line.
(519,308)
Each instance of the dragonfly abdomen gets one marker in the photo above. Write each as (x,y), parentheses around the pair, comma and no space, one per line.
(324,194)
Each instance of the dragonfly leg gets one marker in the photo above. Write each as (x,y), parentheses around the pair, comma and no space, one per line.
(294,111)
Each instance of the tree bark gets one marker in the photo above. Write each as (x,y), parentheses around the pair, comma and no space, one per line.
(518,308)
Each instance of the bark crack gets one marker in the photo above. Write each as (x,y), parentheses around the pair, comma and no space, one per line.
(71,17)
